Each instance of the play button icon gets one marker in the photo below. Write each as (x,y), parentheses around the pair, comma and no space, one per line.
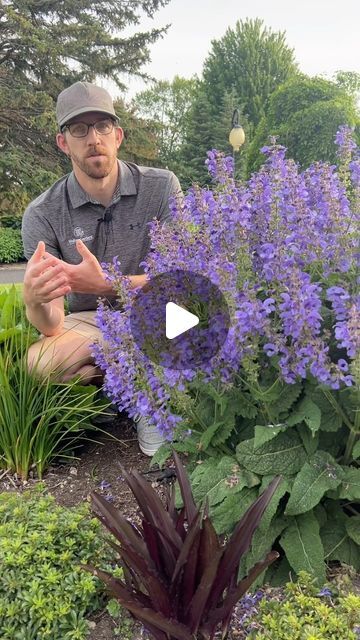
(179,319)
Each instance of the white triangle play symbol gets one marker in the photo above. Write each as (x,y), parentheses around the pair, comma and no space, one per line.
(178,320)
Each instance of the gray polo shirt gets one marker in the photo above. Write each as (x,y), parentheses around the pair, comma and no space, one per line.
(66,212)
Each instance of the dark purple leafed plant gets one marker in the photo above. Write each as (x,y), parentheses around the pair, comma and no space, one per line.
(180,579)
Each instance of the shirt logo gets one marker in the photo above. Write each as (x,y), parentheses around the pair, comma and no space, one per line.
(78,232)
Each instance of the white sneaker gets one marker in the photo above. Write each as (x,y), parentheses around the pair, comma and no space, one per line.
(149,437)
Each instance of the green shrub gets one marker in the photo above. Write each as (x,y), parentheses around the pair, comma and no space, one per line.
(11,221)
(307,614)
(43,592)
(11,247)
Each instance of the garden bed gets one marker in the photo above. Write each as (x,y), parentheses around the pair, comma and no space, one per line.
(99,469)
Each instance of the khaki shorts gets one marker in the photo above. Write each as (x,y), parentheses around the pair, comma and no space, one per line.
(83,323)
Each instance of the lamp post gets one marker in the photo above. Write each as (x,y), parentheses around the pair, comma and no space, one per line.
(237,134)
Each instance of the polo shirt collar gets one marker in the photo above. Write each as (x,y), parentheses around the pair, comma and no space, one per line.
(125,187)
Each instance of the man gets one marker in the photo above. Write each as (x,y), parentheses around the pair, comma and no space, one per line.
(98,211)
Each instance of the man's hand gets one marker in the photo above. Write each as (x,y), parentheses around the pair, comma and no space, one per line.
(45,278)
(88,276)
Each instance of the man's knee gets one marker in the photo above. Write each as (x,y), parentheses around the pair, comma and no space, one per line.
(61,357)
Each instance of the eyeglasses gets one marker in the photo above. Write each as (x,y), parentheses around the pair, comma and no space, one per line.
(81,129)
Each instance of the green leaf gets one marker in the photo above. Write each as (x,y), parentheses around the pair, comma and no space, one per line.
(283,488)
(319,474)
(279,573)
(264,539)
(214,480)
(284,454)
(356,450)
(264,433)
(208,435)
(232,508)
(244,403)
(162,454)
(289,393)
(310,440)
(306,411)
(338,545)
(303,547)
(353,528)
(330,419)
(9,309)
(349,488)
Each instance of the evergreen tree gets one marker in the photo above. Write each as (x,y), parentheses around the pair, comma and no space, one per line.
(210,130)
(253,61)
(45,45)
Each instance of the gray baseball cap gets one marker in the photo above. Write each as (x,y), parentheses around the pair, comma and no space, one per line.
(82,97)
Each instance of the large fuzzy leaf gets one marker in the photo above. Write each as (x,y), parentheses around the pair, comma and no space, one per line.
(338,545)
(317,476)
(306,411)
(353,529)
(349,487)
(240,541)
(228,513)
(284,455)
(266,432)
(263,541)
(215,480)
(303,547)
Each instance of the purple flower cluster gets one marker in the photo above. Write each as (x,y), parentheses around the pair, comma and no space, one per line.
(283,249)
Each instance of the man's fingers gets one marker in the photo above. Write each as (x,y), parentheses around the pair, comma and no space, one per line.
(55,285)
(44,265)
(39,251)
(83,250)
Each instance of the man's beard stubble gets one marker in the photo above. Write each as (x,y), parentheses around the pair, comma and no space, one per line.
(96,169)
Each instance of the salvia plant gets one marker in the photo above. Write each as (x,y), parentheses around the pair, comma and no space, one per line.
(282,395)
(180,577)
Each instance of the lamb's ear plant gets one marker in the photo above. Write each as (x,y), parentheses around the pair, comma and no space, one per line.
(180,577)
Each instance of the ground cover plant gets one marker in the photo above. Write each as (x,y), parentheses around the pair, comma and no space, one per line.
(40,419)
(180,578)
(305,613)
(282,395)
(43,591)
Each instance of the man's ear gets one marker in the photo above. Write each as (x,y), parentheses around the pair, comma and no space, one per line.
(119,136)
(61,143)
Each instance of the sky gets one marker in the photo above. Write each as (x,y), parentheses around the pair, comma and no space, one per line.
(323,33)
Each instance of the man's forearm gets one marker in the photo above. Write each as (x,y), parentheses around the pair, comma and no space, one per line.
(136,281)
(46,318)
